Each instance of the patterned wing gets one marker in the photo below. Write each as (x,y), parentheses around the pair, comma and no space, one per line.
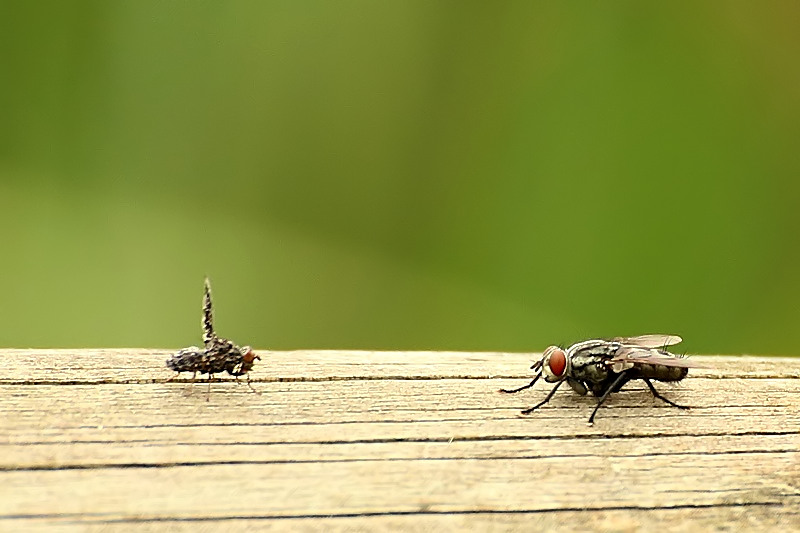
(207,322)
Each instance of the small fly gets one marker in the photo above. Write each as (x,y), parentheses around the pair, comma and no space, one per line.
(605,366)
(217,355)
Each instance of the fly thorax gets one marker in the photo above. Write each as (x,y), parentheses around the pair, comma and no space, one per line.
(589,368)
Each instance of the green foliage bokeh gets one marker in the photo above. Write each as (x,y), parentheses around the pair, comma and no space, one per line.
(400,175)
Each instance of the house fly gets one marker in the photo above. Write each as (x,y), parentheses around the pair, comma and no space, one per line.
(605,366)
(217,355)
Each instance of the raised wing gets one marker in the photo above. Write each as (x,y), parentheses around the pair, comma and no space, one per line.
(650,341)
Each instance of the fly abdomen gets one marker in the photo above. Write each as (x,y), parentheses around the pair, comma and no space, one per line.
(658,372)
(191,359)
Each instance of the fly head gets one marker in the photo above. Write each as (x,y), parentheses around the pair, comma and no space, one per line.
(249,359)
(555,364)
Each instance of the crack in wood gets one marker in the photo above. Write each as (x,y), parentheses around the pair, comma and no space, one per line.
(180,464)
(389,513)
(394,440)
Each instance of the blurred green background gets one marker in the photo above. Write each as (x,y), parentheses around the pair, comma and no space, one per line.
(400,175)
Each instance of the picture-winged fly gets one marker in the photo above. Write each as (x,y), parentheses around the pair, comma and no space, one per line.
(605,366)
(217,355)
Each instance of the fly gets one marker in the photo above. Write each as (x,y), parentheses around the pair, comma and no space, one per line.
(605,366)
(217,355)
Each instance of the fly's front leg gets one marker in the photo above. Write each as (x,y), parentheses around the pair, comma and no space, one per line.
(251,386)
(536,367)
(238,382)
(657,395)
(617,383)
(547,399)
(528,386)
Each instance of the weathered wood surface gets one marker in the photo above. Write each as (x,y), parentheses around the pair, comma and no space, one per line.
(96,440)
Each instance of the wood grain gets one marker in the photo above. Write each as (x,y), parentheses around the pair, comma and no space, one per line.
(348,440)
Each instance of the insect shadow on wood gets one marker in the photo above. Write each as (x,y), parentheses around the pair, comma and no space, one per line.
(605,366)
(217,354)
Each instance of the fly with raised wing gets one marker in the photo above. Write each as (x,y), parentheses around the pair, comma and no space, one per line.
(605,366)
(217,355)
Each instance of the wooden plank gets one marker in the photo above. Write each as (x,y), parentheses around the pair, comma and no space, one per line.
(386,410)
(377,440)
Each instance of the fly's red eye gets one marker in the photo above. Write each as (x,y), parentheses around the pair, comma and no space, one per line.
(558,362)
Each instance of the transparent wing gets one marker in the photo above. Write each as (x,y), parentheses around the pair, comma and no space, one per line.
(651,341)
(630,355)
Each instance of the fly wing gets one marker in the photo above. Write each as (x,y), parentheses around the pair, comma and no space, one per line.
(651,341)
(628,356)
(207,322)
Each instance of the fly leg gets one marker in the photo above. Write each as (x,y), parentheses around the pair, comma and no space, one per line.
(177,375)
(208,392)
(615,386)
(238,382)
(528,386)
(251,386)
(547,399)
(536,367)
(188,390)
(657,395)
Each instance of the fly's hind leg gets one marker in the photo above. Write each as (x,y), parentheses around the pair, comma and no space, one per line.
(657,395)
(208,391)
